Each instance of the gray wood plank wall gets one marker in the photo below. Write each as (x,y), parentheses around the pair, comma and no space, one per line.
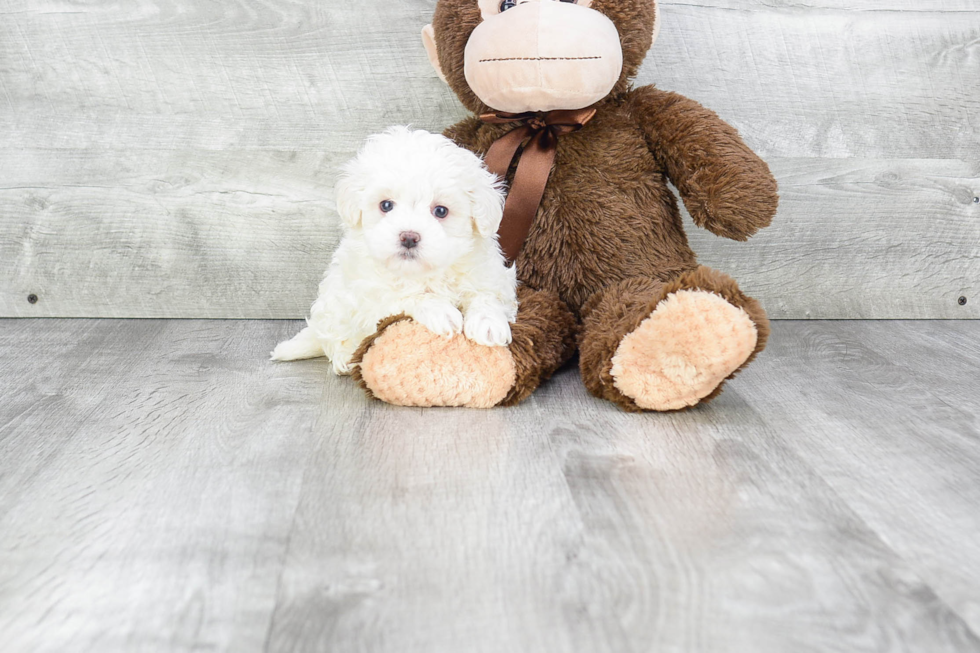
(174,158)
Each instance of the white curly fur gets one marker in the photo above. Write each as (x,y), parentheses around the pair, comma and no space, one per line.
(455,280)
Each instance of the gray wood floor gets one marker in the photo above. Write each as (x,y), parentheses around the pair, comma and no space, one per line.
(165,488)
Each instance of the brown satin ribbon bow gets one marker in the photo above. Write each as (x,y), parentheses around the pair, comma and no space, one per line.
(539,134)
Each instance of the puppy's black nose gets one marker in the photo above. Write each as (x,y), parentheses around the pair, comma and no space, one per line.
(409,239)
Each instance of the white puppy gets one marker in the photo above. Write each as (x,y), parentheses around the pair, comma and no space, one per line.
(420,217)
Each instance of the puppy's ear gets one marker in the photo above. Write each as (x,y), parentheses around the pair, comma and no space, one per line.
(487,206)
(348,201)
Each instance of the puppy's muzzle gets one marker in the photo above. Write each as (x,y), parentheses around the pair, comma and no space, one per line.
(409,239)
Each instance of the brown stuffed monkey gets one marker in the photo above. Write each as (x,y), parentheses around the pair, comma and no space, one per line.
(603,259)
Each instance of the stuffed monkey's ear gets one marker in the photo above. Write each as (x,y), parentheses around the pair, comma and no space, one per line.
(487,207)
(348,201)
(429,41)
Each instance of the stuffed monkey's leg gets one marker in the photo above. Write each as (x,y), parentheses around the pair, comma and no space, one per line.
(651,345)
(406,364)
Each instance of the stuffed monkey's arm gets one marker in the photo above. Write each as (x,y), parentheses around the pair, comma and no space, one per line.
(725,186)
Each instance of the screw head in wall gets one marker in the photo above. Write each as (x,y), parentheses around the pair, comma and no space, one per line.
(961,301)
(32,299)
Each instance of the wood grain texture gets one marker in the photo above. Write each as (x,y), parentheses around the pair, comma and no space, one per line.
(837,79)
(248,236)
(176,158)
(934,370)
(163,487)
(169,526)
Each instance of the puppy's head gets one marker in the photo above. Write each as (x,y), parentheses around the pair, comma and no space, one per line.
(418,201)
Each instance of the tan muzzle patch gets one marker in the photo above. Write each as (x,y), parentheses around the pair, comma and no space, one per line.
(541,56)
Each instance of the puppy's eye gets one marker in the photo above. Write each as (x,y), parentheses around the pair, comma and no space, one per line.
(440,212)
(507,4)
(386,206)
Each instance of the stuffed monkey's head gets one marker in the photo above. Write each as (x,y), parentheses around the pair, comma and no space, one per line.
(539,55)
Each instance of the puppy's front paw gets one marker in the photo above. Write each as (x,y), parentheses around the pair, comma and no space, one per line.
(441,318)
(487,329)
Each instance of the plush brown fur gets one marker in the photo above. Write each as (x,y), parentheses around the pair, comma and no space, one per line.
(608,227)
(608,316)
(608,214)
(544,339)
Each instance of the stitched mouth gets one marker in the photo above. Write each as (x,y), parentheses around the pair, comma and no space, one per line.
(538,59)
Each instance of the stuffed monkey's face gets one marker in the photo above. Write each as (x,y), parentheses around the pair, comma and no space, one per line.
(538,55)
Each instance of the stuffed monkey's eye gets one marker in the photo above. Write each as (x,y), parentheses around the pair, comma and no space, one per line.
(507,4)
(440,212)
(386,206)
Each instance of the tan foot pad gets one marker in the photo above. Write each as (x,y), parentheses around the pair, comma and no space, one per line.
(691,342)
(408,365)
